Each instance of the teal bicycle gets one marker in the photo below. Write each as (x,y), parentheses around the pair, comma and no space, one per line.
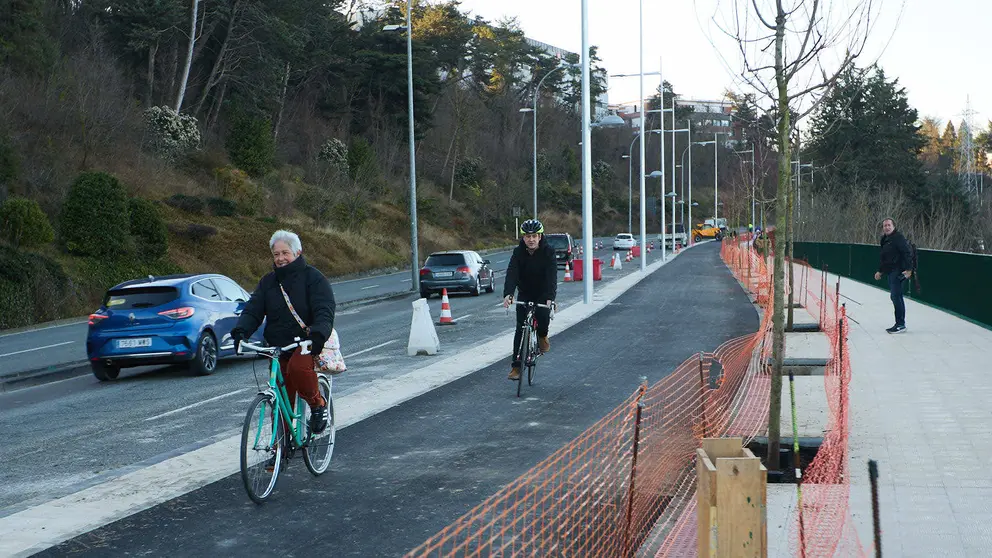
(274,430)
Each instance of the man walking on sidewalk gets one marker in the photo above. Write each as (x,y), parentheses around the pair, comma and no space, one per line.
(896,265)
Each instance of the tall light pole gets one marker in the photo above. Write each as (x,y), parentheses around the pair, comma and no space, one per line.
(630,184)
(643,202)
(587,278)
(715,201)
(751,151)
(534,110)
(414,256)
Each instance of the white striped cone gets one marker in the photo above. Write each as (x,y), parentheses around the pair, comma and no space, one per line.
(445,309)
(568,273)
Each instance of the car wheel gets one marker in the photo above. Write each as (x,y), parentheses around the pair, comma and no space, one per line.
(697,238)
(105,372)
(492,284)
(204,361)
(425,294)
(477,290)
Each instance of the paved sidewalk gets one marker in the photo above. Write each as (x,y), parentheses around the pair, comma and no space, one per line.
(921,405)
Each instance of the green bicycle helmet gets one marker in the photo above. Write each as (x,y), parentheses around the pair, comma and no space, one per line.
(532,226)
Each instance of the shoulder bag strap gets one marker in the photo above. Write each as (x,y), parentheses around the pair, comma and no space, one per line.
(293,310)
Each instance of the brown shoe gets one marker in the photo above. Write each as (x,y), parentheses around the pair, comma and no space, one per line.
(514,373)
(545,344)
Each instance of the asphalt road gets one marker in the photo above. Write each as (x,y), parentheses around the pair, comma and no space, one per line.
(100,430)
(58,345)
(402,475)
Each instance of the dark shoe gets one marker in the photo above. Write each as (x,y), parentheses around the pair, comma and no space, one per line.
(514,373)
(544,343)
(318,419)
(897,329)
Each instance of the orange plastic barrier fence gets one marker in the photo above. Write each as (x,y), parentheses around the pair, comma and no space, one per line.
(627,484)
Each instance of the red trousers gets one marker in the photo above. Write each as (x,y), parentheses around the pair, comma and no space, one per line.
(297,370)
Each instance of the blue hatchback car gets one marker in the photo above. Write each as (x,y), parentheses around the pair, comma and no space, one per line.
(165,320)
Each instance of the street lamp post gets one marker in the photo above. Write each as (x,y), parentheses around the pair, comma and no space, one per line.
(414,256)
(690,177)
(630,184)
(586,161)
(534,110)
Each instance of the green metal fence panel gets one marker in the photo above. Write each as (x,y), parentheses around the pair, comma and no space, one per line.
(954,281)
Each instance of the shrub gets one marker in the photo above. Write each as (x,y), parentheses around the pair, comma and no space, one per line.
(251,145)
(314,202)
(363,165)
(603,173)
(33,288)
(94,219)
(222,207)
(23,223)
(148,229)
(194,232)
(235,185)
(171,135)
(335,153)
(189,204)
(470,171)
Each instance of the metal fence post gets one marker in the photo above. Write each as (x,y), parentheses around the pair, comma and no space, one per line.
(628,543)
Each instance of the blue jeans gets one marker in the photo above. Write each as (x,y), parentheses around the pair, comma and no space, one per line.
(896,279)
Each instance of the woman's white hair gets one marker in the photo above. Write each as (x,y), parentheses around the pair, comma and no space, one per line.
(289,237)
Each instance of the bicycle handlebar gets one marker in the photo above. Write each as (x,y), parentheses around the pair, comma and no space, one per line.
(518,303)
(271,351)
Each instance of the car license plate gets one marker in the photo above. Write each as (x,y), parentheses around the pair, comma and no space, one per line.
(443,274)
(134,343)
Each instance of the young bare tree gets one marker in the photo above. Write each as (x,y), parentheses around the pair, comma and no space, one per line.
(791,53)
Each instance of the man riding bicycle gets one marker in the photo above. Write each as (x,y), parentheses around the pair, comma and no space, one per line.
(533,273)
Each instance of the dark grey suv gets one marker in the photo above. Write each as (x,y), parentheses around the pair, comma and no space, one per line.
(457,271)
(563,244)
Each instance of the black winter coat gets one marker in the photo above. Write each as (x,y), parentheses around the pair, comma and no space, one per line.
(308,290)
(895,254)
(534,275)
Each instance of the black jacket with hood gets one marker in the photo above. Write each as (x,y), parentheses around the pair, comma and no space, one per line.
(895,254)
(534,275)
(312,298)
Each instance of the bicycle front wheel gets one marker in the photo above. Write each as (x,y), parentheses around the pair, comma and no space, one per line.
(532,362)
(319,450)
(524,356)
(261,448)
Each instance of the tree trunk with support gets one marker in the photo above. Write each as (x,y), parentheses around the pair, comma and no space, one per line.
(152,51)
(282,103)
(781,217)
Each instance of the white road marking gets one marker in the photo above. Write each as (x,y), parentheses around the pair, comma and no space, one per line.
(369,287)
(463,317)
(379,346)
(43,328)
(347,312)
(37,348)
(197,404)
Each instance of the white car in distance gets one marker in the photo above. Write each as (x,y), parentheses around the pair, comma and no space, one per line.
(624,241)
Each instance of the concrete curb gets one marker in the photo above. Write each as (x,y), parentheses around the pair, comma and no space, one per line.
(138,490)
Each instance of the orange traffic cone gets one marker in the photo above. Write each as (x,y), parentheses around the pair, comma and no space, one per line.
(445,309)
(568,273)
(650,247)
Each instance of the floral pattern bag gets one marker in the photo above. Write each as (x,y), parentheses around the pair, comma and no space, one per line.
(330,358)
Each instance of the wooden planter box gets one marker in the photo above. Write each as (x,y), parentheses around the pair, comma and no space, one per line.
(731,498)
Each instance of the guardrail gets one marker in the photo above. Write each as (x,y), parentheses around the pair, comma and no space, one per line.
(954,281)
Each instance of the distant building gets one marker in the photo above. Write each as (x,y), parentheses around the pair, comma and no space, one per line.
(709,117)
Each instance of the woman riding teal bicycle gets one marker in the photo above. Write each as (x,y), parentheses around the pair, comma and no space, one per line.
(293,292)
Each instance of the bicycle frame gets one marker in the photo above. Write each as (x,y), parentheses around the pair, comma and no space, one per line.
(277,387)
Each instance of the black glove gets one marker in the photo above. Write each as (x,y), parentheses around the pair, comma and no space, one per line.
(318,341)
(237,335)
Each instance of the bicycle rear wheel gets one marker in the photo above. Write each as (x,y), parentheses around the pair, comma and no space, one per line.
(320,447)
(524,356)
(261,450)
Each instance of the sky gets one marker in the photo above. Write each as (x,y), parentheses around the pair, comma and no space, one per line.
(934,48)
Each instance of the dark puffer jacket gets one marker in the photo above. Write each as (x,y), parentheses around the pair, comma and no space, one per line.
(308,290)
(534,275)
(895,254)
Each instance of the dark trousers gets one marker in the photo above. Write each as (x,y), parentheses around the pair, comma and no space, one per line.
(297,370)
(896,279)
(543,322)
